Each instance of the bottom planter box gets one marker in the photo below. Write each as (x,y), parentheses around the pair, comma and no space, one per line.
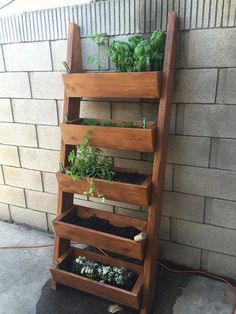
(114,294)
(65,227)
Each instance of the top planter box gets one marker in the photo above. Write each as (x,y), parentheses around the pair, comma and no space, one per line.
(113,85)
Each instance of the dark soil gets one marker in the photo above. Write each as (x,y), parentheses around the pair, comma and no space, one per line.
(127,286)
(104,225)
(129,177)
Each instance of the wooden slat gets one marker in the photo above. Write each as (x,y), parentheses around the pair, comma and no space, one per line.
(132,139)
(71,110)
(65,228)
(116,191)
(158,176)
(114,85)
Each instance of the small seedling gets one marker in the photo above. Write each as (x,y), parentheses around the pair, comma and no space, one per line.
(65,118)
(144,123)
(100,40)
(66,66)
(61,168)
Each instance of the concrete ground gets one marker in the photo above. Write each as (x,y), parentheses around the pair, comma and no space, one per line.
(25,284)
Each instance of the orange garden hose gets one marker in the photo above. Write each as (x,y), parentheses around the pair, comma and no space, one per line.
(199,272)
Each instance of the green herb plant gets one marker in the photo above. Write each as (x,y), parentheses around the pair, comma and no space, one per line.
(139,54)
(117,276)
(100,40)
(109,123)
(89,162)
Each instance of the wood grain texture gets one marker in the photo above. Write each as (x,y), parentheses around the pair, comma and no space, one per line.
(132,139)
(65,228)
(158,176)
(114,294)
(114,85)
(116,191)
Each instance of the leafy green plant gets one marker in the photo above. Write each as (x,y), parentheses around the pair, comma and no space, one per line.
(109,123)
(101,41)
(117,276)
(89,162)
(138,54)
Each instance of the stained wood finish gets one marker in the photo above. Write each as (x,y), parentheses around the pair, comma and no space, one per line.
(158,176)
(134,139)
(65,228)
(71,110)
(114,294)
(114,85)
(116,191)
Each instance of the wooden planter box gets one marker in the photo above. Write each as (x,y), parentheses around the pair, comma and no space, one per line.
(133,139)
(136,194)
(114,294)
(65,228)
(113,85)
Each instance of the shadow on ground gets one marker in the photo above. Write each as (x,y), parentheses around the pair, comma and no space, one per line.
(70,301)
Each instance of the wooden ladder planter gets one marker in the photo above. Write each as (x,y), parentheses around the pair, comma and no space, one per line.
(149,193)
(65,228)
(136,194)
(114,294)
(135,139)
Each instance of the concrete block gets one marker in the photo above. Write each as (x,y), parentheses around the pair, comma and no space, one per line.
(94,109)
(12,195)
(23,178)
(132,164)
(35,111)
(130,212)
(206,120)
(223,154)
(39,159)
(1,176)
(50,182)
(60,104)
(209,48)
(47,85)
(221,264)
(180,254)
(2,67)
(50,217)
(5,110)
(9,155)
(96,205)
(117,204)
(89,48)
(18,134)
(122,153)
(14,85)
(33,56)
(205,236)
(165,228)
(4,212)
(205,181)
(126,111)
(226,86)
(189,150)
(41,201)
(221,213)
(183,206)
(58,48)
(49,137)
(29,217)
(195,86)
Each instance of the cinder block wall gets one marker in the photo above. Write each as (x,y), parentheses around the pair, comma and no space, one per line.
(199,213)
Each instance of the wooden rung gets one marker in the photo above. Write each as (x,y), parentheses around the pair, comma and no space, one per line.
(65,228)
(114,85)
(136,194)
(132,139)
